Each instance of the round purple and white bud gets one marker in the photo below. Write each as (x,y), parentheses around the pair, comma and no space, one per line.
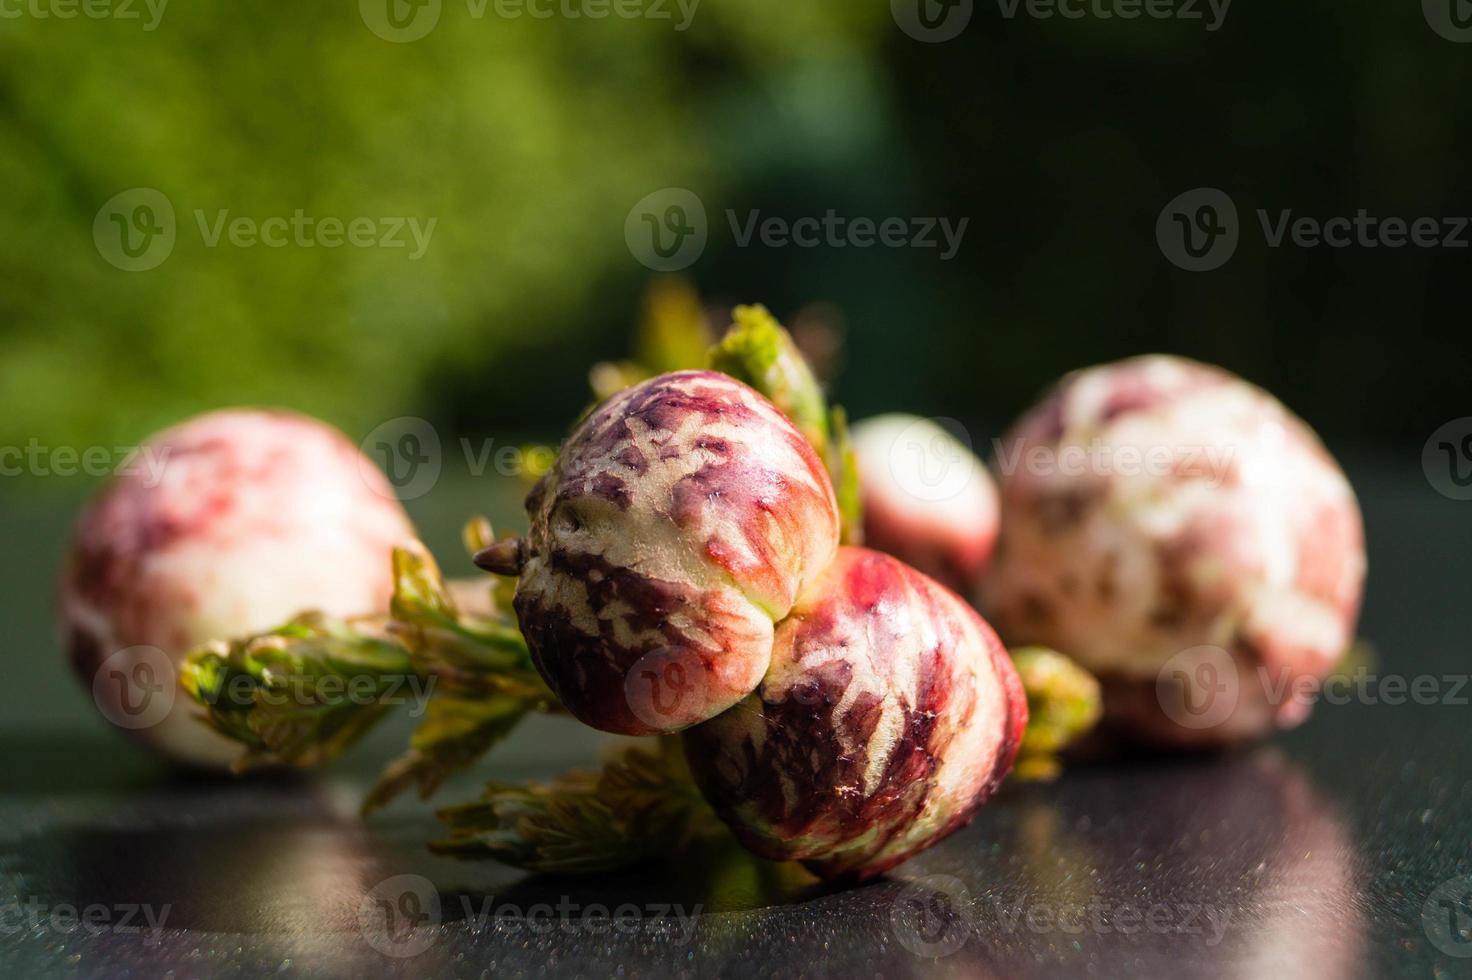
(681,521)
(1158,506)
(229,524)
(928,500)
(889,714)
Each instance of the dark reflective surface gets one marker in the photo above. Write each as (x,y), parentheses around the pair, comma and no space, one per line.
(1334,851)
(1222,866)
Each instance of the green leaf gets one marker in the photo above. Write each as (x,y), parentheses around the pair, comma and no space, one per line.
(419,588)
(302,694)
(562,828)
(641,804)
(843,465)
(454,734)
(305,692)
(757,350)
(425,614)
(209,677)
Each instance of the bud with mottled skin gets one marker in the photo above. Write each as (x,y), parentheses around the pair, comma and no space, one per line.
(889,714)
(1184,537)
(254,516)
(681,521)
(926,498)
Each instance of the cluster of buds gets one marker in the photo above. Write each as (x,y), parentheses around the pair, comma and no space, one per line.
(692,570)
(683,573)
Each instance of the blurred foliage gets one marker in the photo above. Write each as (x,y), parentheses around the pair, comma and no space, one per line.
(529,140)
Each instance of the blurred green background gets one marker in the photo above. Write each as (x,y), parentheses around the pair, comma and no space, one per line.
(527,141)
